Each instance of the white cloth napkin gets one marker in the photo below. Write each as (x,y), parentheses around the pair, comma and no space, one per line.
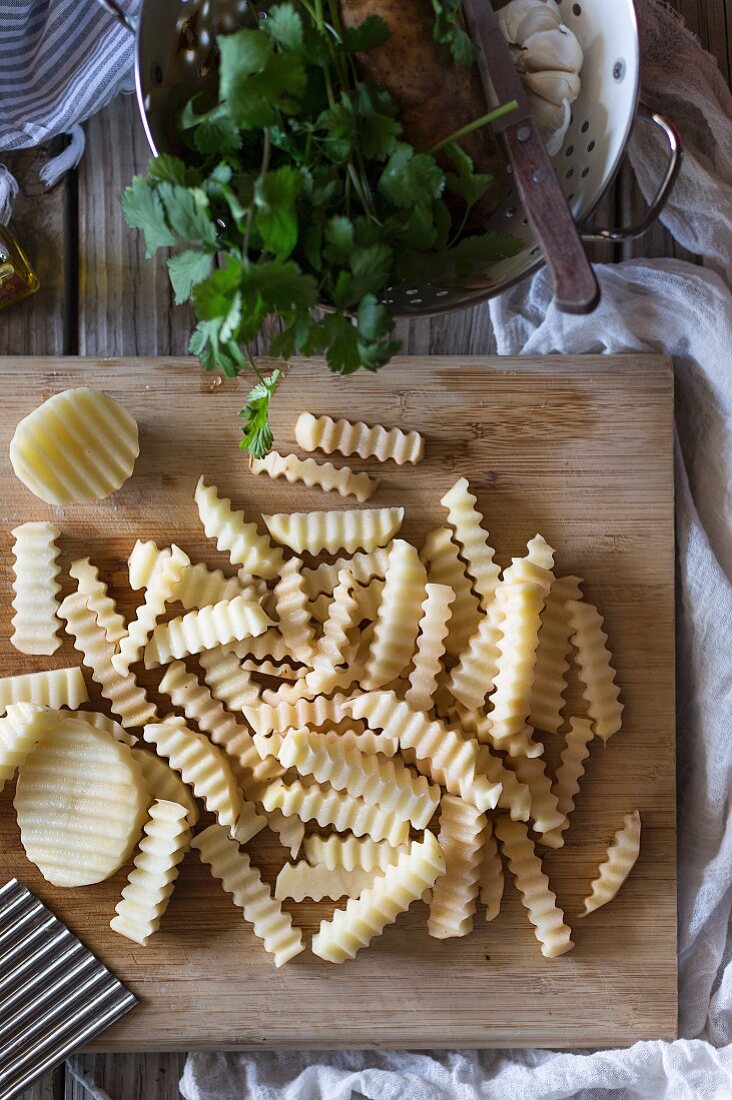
(685,311)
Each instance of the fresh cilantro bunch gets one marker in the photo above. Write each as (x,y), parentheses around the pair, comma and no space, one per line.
(299,190)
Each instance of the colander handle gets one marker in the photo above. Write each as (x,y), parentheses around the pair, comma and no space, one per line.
(659,200)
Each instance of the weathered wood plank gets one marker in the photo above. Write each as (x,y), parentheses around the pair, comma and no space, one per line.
(125,300)
(35,326)
(709,19)
(123,1077)
(50,1087)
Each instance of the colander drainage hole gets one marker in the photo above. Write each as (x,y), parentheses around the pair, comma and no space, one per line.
(440,293)
(569,173)
(590,146)
(576,9)
(585,172)
(511,212)
(569,150)
(585,126)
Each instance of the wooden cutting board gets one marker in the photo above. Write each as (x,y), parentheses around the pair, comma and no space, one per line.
(579,449)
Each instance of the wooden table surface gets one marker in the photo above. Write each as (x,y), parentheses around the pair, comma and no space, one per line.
(100,296)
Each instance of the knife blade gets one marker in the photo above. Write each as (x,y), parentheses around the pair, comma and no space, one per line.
(575,285)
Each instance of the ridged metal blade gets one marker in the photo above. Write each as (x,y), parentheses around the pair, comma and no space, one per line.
(55,995)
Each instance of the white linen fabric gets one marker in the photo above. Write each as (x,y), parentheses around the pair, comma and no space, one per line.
(685,311)
(60,62)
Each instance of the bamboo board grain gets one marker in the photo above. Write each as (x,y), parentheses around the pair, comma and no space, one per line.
(578,448)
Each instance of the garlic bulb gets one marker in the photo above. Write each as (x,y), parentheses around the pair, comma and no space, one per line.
(549,58)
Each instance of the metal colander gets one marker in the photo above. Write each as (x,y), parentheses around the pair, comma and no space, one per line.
(175,44)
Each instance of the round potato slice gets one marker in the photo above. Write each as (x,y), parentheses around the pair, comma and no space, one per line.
(81,802)
(78,446)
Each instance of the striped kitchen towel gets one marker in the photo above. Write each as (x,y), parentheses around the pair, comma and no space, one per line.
(60,62)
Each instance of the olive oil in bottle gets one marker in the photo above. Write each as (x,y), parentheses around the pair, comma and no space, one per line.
(17,277)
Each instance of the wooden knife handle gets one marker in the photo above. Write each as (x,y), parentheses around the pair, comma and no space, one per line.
(575,285)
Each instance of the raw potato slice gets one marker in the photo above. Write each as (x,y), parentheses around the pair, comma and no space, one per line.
(571,768)
(548,822)
(150,883)
(474,675)
(350,530)
(330,651)
(200,586)
(164,784)
(550,672)
(226,679)
(349,438)
(126,697)
(101,722)
(244,882)
(467,522)
(78,446)
(433,630)
(297,881)
(323,475)
(207,628)
(388,784)
(293,611)
(350,853)
(455,894)
(363,567)
(320,711)
(595,669)
(81,802)
(351,929)
(23,726)
(95,591)
(397,622)
(36,589)
(329,807)
(440,556)
(491,876)
(533,886)
(233,535)
(200,764)
(55,688)
(621,857)
(157,596)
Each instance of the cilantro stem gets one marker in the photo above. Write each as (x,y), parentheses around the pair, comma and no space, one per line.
(476,124)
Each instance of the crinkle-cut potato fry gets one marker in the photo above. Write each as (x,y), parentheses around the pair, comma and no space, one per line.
(198,586)
(473,677)
(363,566)
(435,746)
(397,623)
(304,712)
(297,881)
(166,839)
(165,785)
(205,628)
(102,722)
(35,622)
(515,796)
(78,446)
(281,670)
(158,595)
(348,530)
(320,475)
(351,929)
(518,744)
(199,706)
(292,608)
(471,536)
(350,853)
(226,679)
(521,604)
(267,646)
(621,857)
(322,433)
(595,668)
(331,646)
(330,807)
(234,535)
(550,671)
(243,881)
(533,886)
(545,817)
(81,801)
(200,764)
(21,730)
(441,557)
(126,698)
(491,881)
(433,630)
(93,588)
(54,688)
(388,784)
(455,894)
(571,768)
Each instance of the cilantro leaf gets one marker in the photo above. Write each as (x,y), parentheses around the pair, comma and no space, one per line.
(284,25)
(213,298)
(144,210)
(186,270)
(276,218)
(257,432)
(411,177)
(373,32)
(188,213)
(166,168)
(466,183)
(447,30)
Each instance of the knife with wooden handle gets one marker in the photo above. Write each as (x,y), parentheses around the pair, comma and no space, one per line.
(575,285)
